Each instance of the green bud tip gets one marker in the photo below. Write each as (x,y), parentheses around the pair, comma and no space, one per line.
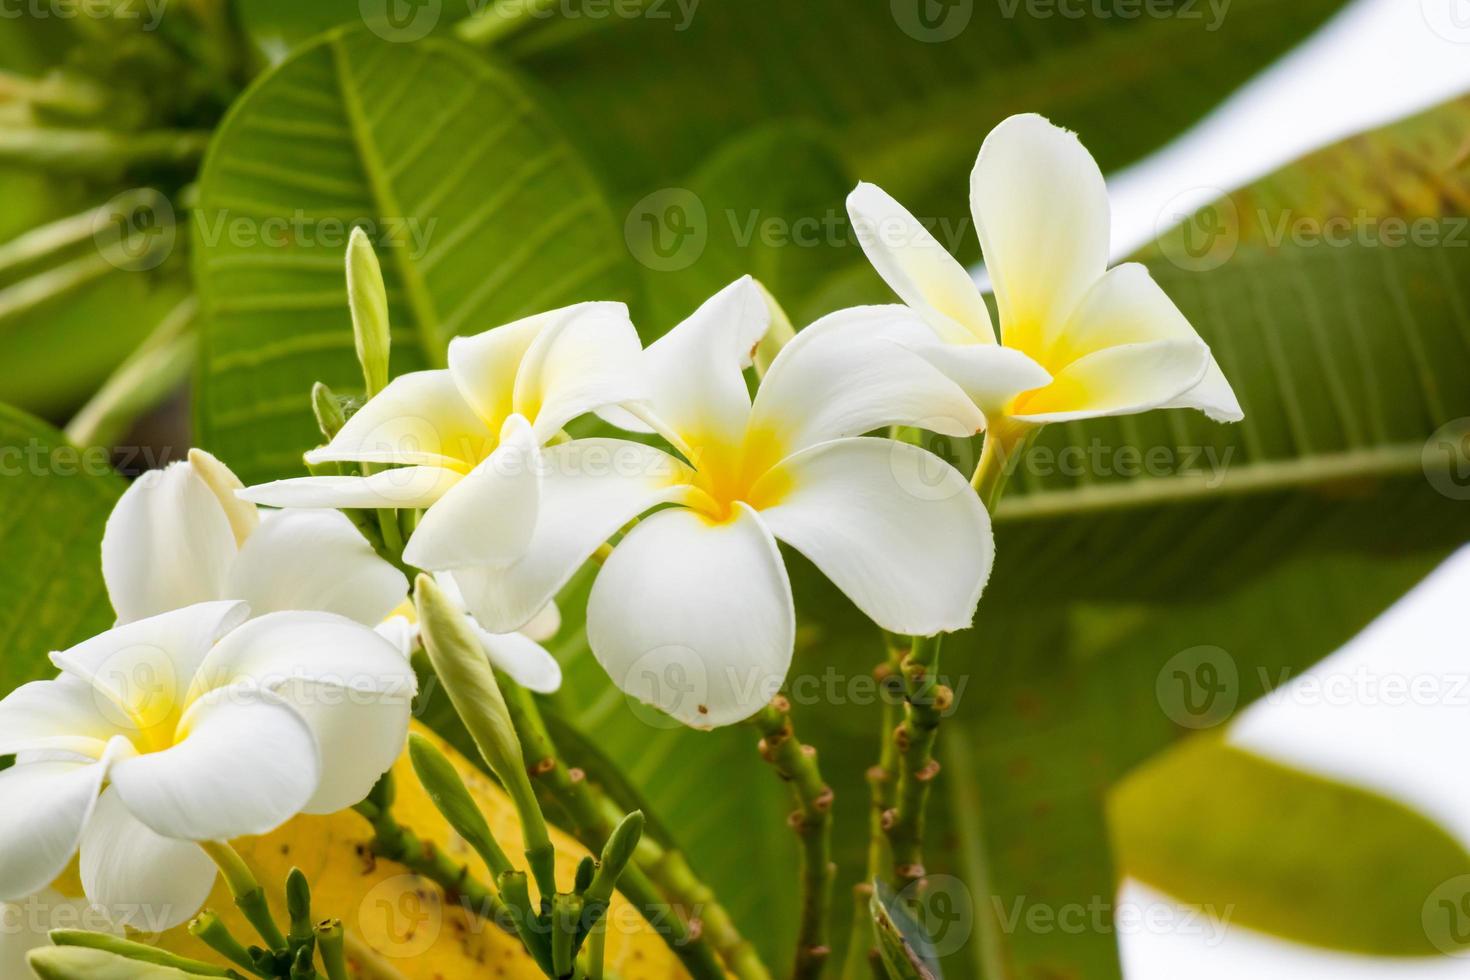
(298,895)
(367,298)
(328,410)
(585,870)
(448,793)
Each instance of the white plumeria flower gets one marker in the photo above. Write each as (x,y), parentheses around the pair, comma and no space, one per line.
(519,654)
(1079,341)
(180,536)
(693,610)
(193,725)
(465,442)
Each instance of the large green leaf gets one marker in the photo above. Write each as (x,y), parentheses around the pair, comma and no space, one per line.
(481,211)
(54,501)
(908,88)
(1193,822)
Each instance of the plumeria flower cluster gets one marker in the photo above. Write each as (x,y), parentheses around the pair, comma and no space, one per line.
(259,667)
(692,610)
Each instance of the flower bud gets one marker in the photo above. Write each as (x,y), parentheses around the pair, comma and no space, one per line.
(367,298)
(453,800)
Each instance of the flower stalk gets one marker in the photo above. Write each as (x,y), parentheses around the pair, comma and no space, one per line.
(797,765)
(249,895)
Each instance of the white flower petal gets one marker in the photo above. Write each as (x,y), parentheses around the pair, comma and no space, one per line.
(697,393)
(1126,306)
(223,482)
(990,376)
(46,807)
(921,271)
(488,517)
(350,684)
(849,373)
(588,358)
(359,734)
(526,661)
(591,488)
(141,672)
(243,762)
(484,366)
(545,624)
(695,618)
(168,544)
(897,529)
(320,647)
(401,632)
(402,488)
(315,559)
(149,882)
(61,715)
(1041,209)
(1122,380)
(419,419)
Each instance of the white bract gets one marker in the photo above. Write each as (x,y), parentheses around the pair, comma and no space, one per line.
(193,725)
(464,442)
(180,536)
(693,610)
(1077,340)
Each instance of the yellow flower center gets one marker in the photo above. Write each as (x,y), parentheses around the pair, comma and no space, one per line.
(738,473)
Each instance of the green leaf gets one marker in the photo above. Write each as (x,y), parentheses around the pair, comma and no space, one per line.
(906,101)
(480,210)
(80,963)
(903,943)
(54,501)
(1209,821)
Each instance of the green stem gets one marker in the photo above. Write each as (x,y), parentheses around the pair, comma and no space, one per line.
(208,929)
(100,152)
(329,940)
(881,779)
(1005,444)
(136,951)
(152,372)
(925,701)
(592,822)
(394,842)
(249,896)
(593,950)
(797,765)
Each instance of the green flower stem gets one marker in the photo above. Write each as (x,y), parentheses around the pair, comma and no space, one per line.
(208,929)
(593,819)
(797,765)
(136,951)
(249,896)
(861,952)
(329,940)
(593,950)
(925,701)
(100,152)
(394,842)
